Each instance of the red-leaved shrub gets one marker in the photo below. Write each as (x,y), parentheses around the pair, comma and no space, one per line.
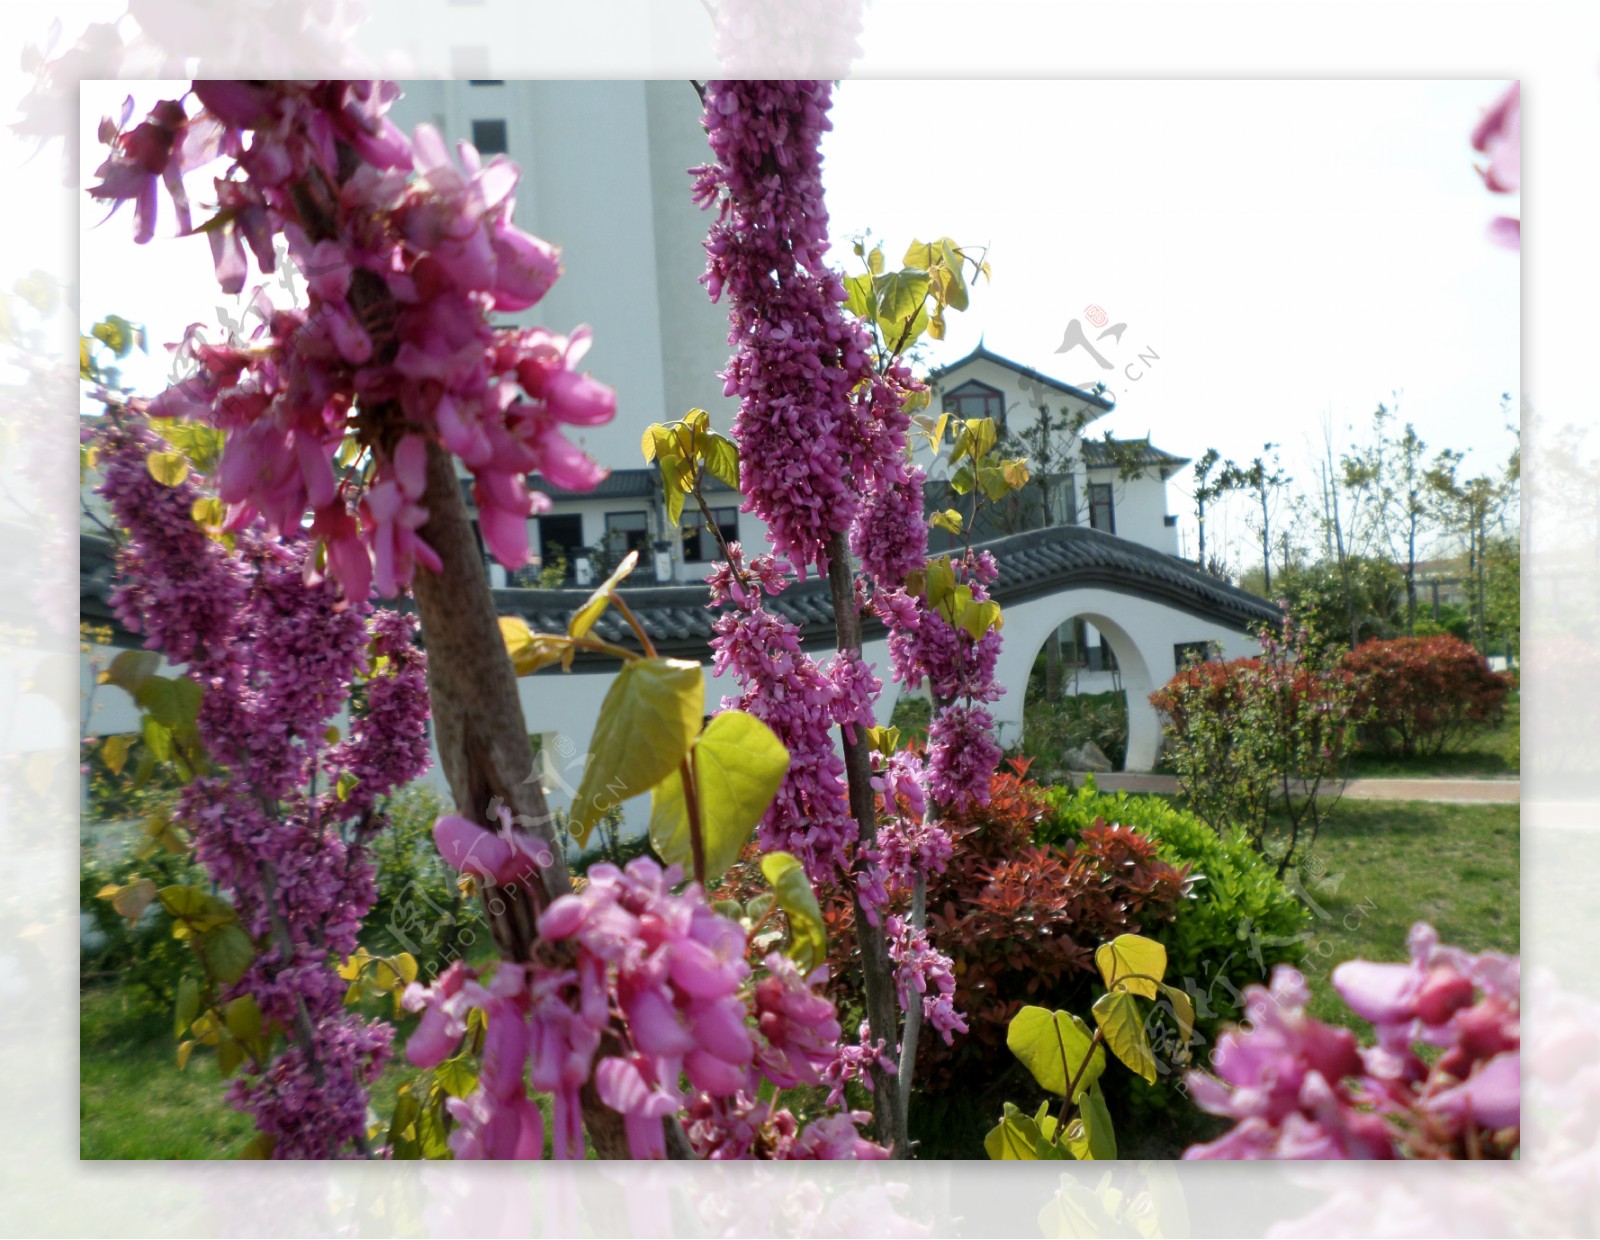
(1422,695)
(1020,921)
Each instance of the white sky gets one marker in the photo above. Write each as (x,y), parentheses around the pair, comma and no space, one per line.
(1286,248)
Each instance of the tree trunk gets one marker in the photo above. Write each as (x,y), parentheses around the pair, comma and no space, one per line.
(1052,666)
(483,743)
(883,1008)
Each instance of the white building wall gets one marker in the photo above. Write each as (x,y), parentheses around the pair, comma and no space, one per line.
(1139,507)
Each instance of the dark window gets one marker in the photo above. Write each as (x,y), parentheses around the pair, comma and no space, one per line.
(490,137)
(1102,512)
(1184,653)
(561,538)
(1169,520)
(699,543)
(976,400)
(628,531)
(487,81)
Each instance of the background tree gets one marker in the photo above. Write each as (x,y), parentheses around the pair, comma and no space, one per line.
(1265,480)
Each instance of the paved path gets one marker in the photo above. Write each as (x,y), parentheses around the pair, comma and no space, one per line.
(1457,791)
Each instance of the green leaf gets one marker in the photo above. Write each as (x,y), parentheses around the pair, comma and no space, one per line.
(1015,1138)
(993,481)
(114,752)
(1136,963)
(132,900)
(677,480)
(243,1018)
(1182,1010)
(808,936)
(345,786)
(167,468)
(185,1049)
(1053,1046)
(961,482)
(583,619)
(530,651)
(172,701)
(647,722)
(157,739)
(902,296)
(194,909)
(722,459)
(116,333)
(860,299)
(259,1146)
(738,764)
(875,260)
(979,617)
(187,1007)
(1091,1135)
(227,952)
(939,582)
(1117,1013)
(130,669)
(949,520)
(230,1054)
(456,1077)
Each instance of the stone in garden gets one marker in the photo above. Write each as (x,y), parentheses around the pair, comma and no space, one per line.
(1087,757)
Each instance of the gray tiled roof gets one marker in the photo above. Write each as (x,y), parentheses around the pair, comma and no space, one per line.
(1097,454)
(678,620)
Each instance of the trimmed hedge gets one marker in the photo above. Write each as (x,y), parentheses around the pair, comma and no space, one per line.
(1423,695)
(1236,909)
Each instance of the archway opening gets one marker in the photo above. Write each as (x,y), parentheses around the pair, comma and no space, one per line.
(1075,709)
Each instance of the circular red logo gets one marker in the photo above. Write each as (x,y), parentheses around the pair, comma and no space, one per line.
(1096,315)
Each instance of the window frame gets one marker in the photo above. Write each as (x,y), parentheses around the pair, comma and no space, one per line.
(1108,490)
(505,136)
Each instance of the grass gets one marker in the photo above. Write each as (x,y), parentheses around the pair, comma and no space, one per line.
(135,1103)
(1382,866)
(1493,753)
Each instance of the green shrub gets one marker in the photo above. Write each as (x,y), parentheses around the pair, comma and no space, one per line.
(1238,920)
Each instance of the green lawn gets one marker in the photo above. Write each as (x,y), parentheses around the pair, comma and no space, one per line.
(134,1101)
(1495,753)
(1381,866)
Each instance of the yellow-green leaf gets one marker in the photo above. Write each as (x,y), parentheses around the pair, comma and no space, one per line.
(1117,1013)
(808,937)
(977,618)
(647,722)
(187,1007)
(114,752)
(230,1054)
(530,651)
(167,468)
(185,1049)
(1053,1046)
(130,669)
(738,764)
(1136,963)
(883,740)
(1091,1136)
(227,952)
(583,619)
(345,785)
(455,1077)
(132,900)
(722,459)
(259,1146)
(1182,1010)
(243,1018)
(949,520)
(1015,1138)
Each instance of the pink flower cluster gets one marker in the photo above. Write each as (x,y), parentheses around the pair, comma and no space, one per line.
(1301,1089)
(405,250)
(277,660)
(802,703)
(1499,136)
(890,533)
(924,971)
(798,359)
(659,978)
